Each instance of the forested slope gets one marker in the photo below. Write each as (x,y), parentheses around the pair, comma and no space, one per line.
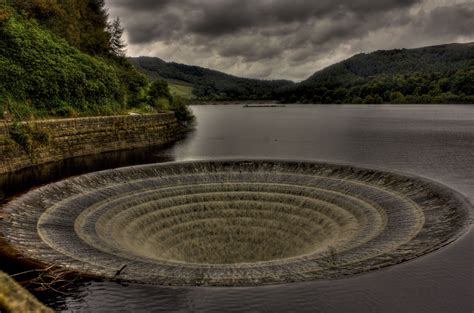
(59,58)
(210,84)
(438,74)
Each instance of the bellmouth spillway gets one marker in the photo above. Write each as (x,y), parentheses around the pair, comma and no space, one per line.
(234,223)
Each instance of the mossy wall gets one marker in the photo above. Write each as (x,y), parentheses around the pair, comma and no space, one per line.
(32,143)
(13,298)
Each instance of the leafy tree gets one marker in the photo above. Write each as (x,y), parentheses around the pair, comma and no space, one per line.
(83,23)
(159,89)
(369,100)
(378,99)
(181,110)
(463,82)
(159,95)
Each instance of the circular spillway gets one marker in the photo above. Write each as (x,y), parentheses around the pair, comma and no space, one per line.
(234,222)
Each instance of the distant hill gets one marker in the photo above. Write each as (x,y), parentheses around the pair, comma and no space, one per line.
(208,84)
(438,74)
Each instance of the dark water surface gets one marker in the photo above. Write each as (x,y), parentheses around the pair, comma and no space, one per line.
(431,141)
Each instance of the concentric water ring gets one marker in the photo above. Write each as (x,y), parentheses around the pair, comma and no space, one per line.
(234,222)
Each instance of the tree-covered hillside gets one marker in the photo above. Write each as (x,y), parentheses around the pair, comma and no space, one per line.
(83,23)
(209,84)
(57,58)
(65,58)
(439,74)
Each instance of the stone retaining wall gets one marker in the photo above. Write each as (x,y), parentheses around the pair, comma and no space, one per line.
(66,138)
(14,298)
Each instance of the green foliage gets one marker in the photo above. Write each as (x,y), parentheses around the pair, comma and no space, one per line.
(162,104)
(83,23)
(43,75)
(159,95)
(21,137)
(41,137)
(181,110)
(160,98)
(22,110)
(181,90)
(159,89)
(28,137)
(440,74)
(209,84)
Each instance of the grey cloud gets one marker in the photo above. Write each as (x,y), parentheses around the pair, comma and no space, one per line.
(223,17)
(457,20)
(142,29)
(283,38)
(140,5)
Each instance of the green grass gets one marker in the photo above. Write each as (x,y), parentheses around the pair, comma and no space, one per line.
(181,90)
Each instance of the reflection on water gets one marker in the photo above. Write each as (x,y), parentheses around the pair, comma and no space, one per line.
(404,288)
(35,176)
(28,178)
(431,141)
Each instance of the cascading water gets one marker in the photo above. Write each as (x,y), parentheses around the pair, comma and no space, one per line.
(234,222)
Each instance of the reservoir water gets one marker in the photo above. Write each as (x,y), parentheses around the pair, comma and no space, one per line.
(435,141)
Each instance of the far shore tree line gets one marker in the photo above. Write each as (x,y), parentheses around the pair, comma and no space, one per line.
(451,87)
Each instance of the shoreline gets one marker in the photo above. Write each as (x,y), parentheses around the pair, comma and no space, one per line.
(449,199)
(32,143)
(68,138)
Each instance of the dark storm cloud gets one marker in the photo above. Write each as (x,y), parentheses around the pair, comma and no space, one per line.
(285,38)
(141,5)
(224,17)
(452,20)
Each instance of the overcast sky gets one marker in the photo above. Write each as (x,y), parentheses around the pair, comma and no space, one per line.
(289,39)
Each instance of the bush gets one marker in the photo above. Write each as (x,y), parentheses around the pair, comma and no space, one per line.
(28,137)
(21,137)
(182,112)
(159,95)
(162,104)
(43,75)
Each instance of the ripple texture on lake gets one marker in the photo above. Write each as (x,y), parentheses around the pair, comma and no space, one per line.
(234,222)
